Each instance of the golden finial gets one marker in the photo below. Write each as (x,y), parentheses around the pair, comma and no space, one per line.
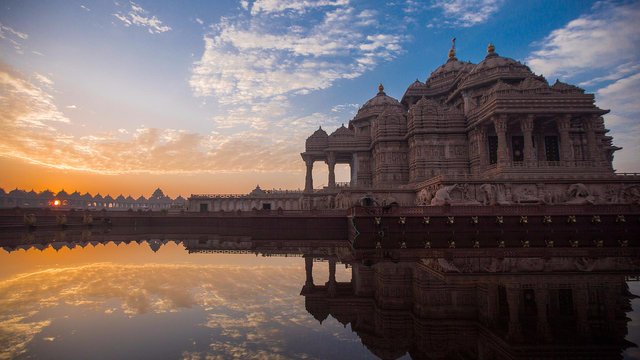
(380,88)
(452,51)
(491,49)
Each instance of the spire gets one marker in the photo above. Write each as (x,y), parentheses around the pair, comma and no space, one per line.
(380,89)
(452,51)
(491,50)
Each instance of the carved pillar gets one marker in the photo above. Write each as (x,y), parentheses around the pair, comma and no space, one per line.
(564,125)
(581,307)
(500,123)
(542,300)
(331,161)
(308,268)
(308,183)
(610,306)
(592,144)
(492,303)
(527,132)
(483,154)
(513,299)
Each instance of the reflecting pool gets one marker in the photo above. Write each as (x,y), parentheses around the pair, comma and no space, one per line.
(142,295)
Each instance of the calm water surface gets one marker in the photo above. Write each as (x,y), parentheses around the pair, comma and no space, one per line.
(155,300)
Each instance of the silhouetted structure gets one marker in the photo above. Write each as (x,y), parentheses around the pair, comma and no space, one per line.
(20,198)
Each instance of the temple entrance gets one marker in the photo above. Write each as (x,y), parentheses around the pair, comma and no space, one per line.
(204,207)
(493,149)
(551,148)
(266,206)
(517,148)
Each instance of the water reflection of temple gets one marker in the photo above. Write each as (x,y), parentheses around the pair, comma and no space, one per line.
(485,308)
(507,304)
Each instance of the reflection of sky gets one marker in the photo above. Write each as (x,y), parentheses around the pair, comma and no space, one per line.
(171,308)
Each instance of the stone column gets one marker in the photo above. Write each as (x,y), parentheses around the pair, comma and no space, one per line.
(353,170)
(564,125)
(592,145)
(500,123)
(483,154)
(308,268)
(332,284)
(542,299)
(513,299)
(331,161)
(581,307)
(527,132)
(492,303)
(308,183)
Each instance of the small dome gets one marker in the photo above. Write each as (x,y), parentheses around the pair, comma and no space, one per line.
(257,191)
(341,137)
(320,133)
(416,85)
(318,141)
(566,88)
(389,123)
(342,131)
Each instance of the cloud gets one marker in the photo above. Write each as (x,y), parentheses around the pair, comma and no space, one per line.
(602,48)
(270,303)
(6,29)
(30,123)
(14,37)
(300,6)
(621,98)
(272,54)
(85,8)
(140,17)
(602,39)
(617,73)
(351,108)
(43,79)
(459,13)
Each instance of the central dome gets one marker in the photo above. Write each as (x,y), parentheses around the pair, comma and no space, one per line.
(377,104)
(495,67)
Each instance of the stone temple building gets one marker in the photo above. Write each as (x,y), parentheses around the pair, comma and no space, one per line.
(472,134)
(487,133)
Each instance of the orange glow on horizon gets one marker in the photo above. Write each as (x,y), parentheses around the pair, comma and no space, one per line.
(23,175)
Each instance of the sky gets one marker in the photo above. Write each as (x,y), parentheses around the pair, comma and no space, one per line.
(218,96)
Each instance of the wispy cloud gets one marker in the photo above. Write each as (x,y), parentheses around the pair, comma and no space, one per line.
(140,17)
(14,37)
(459,13)
(602,39)
(270,303)
(622,98)
(281,50)
(601,47)
(30,123)
(300,6)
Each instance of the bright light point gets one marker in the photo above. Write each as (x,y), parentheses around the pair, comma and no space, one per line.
(56,202)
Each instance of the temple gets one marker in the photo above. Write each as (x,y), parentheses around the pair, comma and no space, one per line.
(492,133)
(487,133)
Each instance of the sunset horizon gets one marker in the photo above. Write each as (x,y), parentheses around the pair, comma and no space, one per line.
(203,99)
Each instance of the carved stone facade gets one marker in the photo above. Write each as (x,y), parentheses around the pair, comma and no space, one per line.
(499,131)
